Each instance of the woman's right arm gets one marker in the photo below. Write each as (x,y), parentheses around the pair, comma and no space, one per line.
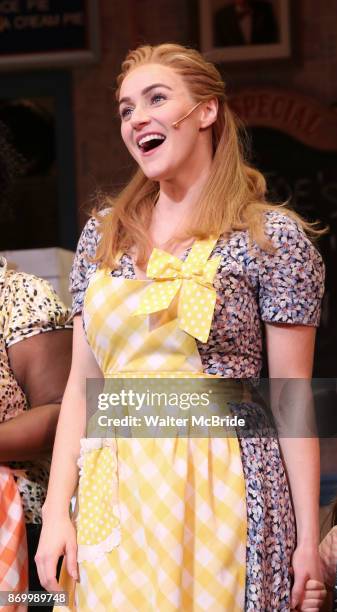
(58,535)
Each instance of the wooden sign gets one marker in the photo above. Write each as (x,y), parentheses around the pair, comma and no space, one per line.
(299,116)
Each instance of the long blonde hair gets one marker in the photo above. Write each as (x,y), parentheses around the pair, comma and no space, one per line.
(234,196)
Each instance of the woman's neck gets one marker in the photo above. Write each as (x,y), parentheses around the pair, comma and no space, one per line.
(186,185)
(174,210)
(178,198)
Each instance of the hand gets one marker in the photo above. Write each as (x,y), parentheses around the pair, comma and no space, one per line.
(308,592)
(314,596)
(58,537)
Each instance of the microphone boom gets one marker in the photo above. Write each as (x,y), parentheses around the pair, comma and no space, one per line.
(175,124)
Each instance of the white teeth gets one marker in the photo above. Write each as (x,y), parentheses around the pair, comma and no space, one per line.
(149,137)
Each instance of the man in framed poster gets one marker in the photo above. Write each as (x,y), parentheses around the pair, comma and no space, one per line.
(245,22)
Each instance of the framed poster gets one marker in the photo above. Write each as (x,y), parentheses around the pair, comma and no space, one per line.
(244,30)
(36,33)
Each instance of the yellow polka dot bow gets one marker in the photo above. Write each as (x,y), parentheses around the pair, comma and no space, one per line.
(193,280)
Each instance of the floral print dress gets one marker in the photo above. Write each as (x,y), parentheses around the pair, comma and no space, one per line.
(252,286)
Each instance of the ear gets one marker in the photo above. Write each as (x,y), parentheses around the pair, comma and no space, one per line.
(209,113)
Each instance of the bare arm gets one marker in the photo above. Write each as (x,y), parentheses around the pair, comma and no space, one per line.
(41,366)
(290,351)
(64,472)
(71,426)
(290,356)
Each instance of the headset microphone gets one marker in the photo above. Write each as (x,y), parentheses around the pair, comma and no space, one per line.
(175,124)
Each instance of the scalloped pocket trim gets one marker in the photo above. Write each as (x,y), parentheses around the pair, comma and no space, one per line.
(98,517)
(93,552)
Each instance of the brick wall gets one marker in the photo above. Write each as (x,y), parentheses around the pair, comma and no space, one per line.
(100,156)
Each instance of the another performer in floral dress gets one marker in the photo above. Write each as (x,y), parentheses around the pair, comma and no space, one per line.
(174,279)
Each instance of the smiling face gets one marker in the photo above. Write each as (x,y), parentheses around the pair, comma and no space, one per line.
(153,97)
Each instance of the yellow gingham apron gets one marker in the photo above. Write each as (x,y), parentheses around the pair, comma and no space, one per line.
(161,525)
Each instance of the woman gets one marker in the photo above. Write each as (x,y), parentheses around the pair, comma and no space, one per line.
(35,351)
(185,524)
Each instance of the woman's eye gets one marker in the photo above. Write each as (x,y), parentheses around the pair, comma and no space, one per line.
(126,112)
(157,98)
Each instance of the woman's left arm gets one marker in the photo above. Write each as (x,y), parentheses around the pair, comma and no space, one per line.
(290,350)
(41,365)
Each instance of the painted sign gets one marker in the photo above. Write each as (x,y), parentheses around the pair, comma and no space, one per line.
(47,32)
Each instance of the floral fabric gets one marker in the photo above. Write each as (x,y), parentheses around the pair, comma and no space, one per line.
(252,286)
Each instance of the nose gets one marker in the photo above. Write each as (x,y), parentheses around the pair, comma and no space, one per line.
(139,117)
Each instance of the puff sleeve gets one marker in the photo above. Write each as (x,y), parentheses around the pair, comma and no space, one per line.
(291,280)
(32,307)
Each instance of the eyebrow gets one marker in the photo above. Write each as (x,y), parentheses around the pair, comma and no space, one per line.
(146,90)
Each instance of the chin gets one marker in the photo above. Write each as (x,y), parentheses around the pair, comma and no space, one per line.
(155,174)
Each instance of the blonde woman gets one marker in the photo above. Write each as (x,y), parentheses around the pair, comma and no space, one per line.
(176,278)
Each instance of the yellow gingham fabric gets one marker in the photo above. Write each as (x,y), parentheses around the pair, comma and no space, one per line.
(175,539)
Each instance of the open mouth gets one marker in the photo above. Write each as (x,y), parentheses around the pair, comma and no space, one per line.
(150,141)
